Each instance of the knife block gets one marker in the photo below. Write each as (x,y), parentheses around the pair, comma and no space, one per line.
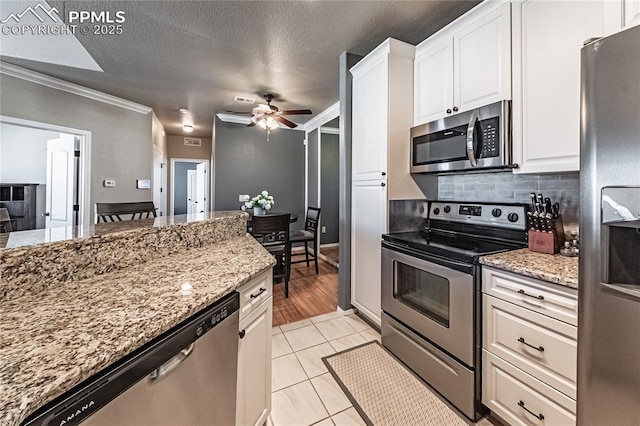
(547,242)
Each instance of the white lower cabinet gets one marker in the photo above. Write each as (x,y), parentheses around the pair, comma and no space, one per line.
(529,349)
(253,402)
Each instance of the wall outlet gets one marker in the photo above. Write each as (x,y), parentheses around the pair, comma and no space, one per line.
(109,183)
(324,230)
(243,198)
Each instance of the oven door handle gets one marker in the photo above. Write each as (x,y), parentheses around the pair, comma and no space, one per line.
(471,149)
(447,263)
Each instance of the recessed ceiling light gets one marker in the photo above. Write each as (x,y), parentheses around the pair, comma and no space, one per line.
(184,110)
(187,128)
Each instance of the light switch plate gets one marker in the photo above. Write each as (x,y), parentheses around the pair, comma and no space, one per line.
(243,198)
(324,229)
(143,184)
(109,183)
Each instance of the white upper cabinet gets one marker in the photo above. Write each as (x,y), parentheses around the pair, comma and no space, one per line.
(370,106)
(465,65)
(547,38)
(630,13)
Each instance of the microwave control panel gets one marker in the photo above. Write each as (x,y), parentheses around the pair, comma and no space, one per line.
(490,131)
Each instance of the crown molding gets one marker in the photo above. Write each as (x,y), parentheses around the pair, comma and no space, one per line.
(330,130)
(232,118)
(325,116)
(65,86)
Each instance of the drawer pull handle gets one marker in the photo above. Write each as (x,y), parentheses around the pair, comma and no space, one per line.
(537,348)
(262,290)
(524,293)
(242,333)
(537,416)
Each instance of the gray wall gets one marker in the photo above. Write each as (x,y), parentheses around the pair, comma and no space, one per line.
(180,201)
(245,163)
(507,187)
(347,60)
(121,144)
(329,186)
(312,172)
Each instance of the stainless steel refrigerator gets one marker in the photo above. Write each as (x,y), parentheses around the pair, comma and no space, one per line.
(609,293)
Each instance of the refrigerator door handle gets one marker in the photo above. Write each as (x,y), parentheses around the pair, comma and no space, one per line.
(632,290)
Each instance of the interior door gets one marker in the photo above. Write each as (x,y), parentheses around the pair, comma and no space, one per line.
(158,181)
(192,191)
(60,181)
(201,187)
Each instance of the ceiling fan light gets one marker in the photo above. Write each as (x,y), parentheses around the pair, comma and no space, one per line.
(187,128)
(271,123)
(184,110)
(262,123)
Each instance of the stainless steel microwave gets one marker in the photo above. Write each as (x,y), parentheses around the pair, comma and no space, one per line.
(472,140)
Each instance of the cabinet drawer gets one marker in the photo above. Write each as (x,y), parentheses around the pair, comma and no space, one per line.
(520,399)
(255,292)
(545,298)
(539,345)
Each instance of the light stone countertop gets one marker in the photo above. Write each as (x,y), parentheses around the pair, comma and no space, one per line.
(55,339)
(553,268)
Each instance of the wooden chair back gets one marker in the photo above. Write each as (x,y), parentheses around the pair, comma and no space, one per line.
(115,211)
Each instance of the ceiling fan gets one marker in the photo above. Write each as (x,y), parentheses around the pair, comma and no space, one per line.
(270,116)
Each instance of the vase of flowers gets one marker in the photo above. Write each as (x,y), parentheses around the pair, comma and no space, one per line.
(261,203)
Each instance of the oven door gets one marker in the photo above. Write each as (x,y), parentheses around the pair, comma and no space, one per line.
(435,301)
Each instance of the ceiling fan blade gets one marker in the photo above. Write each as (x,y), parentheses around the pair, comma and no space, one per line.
(284,121)
(296,112)
(238,112)
(251,124)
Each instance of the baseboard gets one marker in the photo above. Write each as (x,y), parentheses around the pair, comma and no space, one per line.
(329,245)
(328,260)
(347,312)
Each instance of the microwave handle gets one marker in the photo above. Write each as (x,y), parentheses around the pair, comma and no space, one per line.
(471,152)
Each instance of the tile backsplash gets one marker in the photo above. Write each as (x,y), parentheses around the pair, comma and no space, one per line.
(511,188)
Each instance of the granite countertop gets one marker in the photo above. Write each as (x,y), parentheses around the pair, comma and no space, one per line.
(53,340)
(554,268)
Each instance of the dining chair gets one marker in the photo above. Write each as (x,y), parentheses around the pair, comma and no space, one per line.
(5,220)
(114,211)
(307,235)
(273,233)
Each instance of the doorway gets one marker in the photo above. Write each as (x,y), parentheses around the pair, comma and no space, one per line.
(329,191)
(189,186)
(52,165)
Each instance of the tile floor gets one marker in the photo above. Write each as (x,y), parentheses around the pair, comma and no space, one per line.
(303,391)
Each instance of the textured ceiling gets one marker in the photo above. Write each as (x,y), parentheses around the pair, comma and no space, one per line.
(201,54)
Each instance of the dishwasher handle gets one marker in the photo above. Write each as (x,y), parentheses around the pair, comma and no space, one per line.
(172,364)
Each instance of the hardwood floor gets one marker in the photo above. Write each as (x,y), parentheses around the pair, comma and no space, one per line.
(332,253)
(309,294)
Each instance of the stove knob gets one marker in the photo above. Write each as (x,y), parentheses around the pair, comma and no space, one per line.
(436,211)
(496,213)
(513,217)
(447,209)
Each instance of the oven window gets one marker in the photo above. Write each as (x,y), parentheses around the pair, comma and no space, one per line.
(423,291)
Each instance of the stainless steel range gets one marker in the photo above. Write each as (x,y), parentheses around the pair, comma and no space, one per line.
(431,293)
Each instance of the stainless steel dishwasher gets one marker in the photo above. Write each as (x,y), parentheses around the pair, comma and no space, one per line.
(185,377)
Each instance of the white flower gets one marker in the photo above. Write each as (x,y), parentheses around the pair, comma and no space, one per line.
(261,202)
(248,204)
(270,197)
(268,207)
(265,194)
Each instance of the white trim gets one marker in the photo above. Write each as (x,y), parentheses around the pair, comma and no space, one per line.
(329,261)
(306,170)
(347,312)
(84,193)
(173,180)
(232,118)
(330,130)
(55,83)
(329,245)
(324,117)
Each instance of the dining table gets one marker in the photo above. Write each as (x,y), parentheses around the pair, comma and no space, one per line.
(292,219)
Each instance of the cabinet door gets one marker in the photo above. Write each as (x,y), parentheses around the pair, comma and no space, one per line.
(368,223)
(482,63)
(548,36)
(370,122)
(631,13)
(253,402)
(433,80)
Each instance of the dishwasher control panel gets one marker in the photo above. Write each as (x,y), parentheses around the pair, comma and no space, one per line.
(218,315)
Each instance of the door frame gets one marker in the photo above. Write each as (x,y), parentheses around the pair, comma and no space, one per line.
(84,172)
(173,180)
